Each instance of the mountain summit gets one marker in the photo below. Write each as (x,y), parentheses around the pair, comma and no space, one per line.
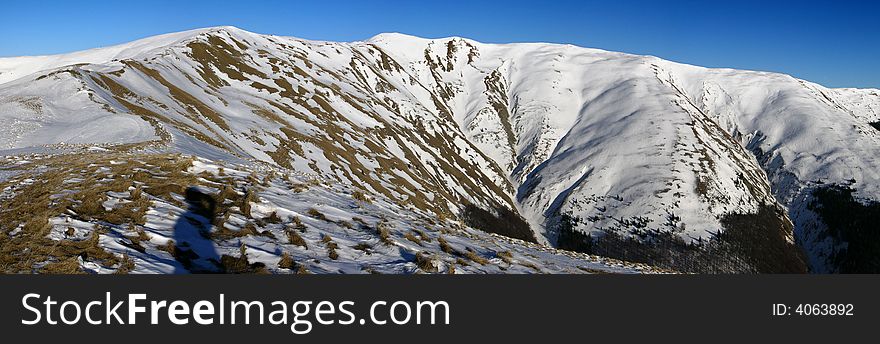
(625,156)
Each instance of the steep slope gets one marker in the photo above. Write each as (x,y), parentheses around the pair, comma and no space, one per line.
(627,156)
(119,210)
(602,142)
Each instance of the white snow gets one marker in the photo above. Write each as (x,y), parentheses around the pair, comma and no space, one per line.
(605,136)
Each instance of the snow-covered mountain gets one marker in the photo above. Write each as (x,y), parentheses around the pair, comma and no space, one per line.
(627,156)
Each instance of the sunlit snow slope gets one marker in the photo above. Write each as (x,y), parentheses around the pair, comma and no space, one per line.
(578,141)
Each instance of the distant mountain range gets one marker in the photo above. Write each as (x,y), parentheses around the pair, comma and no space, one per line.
(610,154)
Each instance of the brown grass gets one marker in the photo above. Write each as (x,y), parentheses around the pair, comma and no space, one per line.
(473,256)
(245,206)
(444,246)
(287,262)
(384,233)
(365,247)
(360,196)
(422,235)
(295,239)
(331,247)
(425,262)
(506,256)
(314,213)
(240,264)
(126,265)
(531,266)
(297,224)
(409,236)
(272,218)
(68,266)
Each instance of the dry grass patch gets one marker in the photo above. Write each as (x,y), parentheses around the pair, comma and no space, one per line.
(360,196)
(272,218)
(531,266)
(425,262)
(409,236)
(245,207)
(331,247)
(444,246)
(506,256)
(240,264)
(295,239)
(384,233)
(86,179)
(297,224)
(365,247)
(286,262)
(314,213)
(422,235)
(126,265)
(475,257)
(249,228)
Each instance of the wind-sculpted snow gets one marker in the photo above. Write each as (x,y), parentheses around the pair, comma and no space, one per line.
(575,140)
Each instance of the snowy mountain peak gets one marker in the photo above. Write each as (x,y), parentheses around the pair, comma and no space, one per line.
(627,156)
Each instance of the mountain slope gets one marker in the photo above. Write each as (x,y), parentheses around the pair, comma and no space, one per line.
(630,153)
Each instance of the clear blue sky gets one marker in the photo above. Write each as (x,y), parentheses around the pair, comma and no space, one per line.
(835,43)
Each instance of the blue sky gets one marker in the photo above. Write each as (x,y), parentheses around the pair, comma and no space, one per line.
(835,43)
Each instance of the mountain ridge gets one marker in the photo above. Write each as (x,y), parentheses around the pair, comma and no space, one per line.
(609,144)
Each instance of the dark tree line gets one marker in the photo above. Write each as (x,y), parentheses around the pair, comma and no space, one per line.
(750,243)
(851,222)
(502,221)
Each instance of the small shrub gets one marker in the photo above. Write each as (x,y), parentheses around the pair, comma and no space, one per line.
(68,266)
(295,239)
(297,187)
(331,247)
(272,218)
(425,262)
(314,213)
(245,205)
(298,225)
(286,262)
(473,256)
(360,196)
(224,233)
(137,193)
(444,245)
(169,247)
(365,247)
(506,256)
(126,265)
(384,233)
(531,266)
(240,264)
(409,236)
(422,235)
